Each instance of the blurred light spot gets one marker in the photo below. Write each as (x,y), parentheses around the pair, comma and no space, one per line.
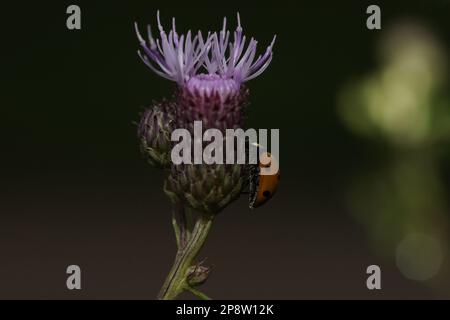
(398,101)
(419,256)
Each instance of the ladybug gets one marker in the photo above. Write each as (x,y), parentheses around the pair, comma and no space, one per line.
(262,187)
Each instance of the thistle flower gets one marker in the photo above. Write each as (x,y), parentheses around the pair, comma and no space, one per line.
(209,71)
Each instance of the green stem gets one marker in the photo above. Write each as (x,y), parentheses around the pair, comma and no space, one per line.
(198,293)
(176,281)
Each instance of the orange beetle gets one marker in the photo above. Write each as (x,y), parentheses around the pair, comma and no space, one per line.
(262,187)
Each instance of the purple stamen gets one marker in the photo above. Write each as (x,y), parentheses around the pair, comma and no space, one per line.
(179,58)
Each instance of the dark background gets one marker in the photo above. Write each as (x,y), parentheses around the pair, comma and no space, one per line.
(75,189)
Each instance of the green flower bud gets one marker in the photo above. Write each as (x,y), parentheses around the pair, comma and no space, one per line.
(197,275)
(154,131)
(205,188)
